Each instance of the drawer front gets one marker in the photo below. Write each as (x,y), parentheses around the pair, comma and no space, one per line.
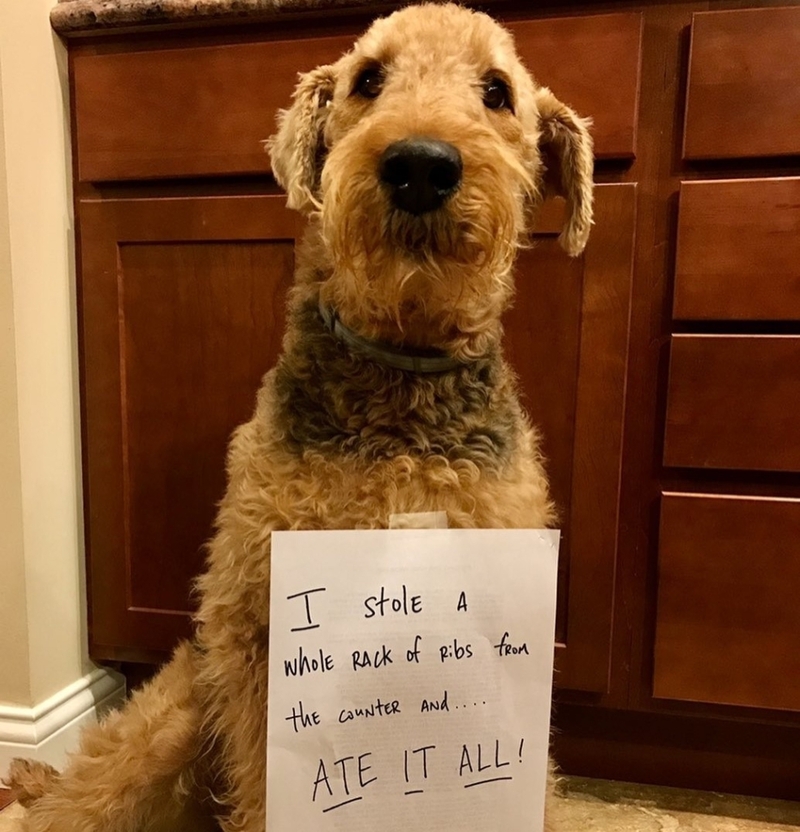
(728,621)
(743,96)
(205,110)
(739,250)
(611,45)
(733,402)
(195,111)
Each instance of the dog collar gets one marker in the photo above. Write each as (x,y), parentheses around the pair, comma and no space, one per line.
(415,361)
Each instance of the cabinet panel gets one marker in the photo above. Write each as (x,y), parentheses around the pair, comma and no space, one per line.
(728,620)
(182,313)
(186,112)
(732,402)
(609,43)
(199,324)
(567,337)
(743,95)
(739,250)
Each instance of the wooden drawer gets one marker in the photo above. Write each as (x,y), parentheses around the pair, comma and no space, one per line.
(743,96)
(739,250)
(197,111)
(728,621)
(205,110)
(611,44)
(733,402)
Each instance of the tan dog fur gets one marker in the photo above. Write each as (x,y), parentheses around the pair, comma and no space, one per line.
(338,441)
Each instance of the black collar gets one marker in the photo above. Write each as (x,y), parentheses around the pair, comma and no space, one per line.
(401,358)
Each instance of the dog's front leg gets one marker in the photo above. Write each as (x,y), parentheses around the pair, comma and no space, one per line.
(236,707)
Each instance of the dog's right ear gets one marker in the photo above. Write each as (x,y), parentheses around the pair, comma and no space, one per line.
(566,147)
(296,150)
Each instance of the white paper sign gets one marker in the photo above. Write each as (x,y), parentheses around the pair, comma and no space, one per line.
(410,680)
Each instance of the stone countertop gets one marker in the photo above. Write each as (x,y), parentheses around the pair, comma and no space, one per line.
(72,17)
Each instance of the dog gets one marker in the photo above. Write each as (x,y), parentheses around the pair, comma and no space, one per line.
(420,159)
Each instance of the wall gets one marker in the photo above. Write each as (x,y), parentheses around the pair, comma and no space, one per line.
(14,679)
(46,676)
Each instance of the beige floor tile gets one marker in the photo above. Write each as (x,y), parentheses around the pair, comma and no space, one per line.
(602,806)
(10,818)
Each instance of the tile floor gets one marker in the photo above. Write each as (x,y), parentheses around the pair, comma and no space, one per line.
(601,806)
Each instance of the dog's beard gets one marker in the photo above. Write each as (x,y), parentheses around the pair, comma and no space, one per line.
(441,279)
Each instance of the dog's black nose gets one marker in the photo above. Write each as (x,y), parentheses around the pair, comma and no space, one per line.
(421,173)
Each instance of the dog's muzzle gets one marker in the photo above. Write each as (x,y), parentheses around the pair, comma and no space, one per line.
(420,173)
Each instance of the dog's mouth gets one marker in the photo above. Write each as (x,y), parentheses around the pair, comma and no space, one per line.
(430,235)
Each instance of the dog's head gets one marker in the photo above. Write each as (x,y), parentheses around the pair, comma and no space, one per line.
(424,153)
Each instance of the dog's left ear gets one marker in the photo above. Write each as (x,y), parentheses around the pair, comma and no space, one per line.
(296,150)
(566,147)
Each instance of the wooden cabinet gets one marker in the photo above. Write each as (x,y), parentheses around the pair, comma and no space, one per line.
(727,600)
(567,338)
(662,365)
(611,44)
(206,110)
(732,402)
(743,97)
(738,250)
(186,112)
(181,314)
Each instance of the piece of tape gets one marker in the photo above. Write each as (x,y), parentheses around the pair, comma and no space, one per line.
(419,520)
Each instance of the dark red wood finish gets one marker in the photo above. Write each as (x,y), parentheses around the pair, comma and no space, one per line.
(744,84)
(567,337)
(182,313)
(205,111)
(727,601)
(738,250)
(609,43)
(733,402)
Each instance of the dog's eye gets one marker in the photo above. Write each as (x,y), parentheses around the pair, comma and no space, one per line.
(496,95)
(369,83)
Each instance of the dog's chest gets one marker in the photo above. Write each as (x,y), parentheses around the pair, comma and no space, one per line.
(324,454)
(342,492)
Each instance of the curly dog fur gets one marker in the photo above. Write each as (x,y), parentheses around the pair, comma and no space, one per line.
(338,440)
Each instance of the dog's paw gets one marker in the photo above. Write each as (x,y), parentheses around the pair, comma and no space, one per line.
(29,780)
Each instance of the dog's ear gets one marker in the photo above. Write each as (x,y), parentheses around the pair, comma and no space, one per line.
(296,150)
(566,148)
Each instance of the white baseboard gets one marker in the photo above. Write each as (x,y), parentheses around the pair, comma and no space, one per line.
(50,730)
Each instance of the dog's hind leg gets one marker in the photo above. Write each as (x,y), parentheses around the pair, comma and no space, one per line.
(134,772)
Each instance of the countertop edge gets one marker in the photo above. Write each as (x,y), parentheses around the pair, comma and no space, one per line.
(75,17)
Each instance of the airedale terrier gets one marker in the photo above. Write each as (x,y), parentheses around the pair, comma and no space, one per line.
(420,159)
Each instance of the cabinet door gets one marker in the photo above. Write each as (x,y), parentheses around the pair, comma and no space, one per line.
(567,337)
(181,314)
